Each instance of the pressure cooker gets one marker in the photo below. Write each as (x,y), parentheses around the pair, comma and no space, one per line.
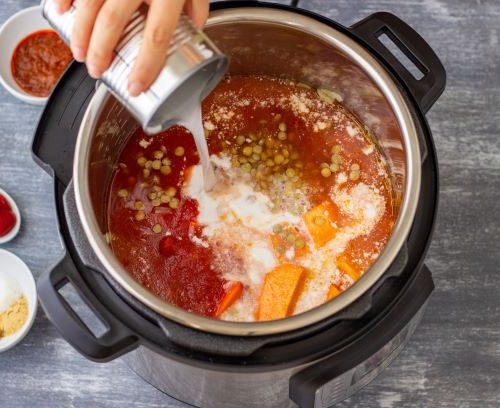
(316,358)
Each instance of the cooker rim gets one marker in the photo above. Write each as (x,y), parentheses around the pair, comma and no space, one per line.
(388,86)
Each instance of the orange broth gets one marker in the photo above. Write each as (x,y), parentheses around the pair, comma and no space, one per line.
(154,230)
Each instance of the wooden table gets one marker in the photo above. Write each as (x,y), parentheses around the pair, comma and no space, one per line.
(454,358)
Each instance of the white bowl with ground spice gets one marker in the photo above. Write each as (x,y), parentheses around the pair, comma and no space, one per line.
(18,300)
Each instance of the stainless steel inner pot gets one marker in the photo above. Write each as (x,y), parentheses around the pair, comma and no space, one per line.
(285,44)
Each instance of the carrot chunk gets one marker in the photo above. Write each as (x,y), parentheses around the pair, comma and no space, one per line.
(347,267)
(280,291)
(319,223)
(333,292)
(231,296)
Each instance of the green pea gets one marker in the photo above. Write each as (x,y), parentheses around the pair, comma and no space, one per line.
(336,149)
(336,159)
(299,244)
(326,172)
(279,158)
(334,167)
(257,149)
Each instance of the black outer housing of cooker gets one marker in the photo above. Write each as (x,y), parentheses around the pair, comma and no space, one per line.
(379,314)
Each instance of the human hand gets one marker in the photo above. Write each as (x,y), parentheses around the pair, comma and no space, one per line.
(99,25)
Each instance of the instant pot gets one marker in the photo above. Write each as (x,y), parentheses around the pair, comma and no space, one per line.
(316,358)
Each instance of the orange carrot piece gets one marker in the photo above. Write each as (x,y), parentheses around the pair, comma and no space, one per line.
(231,296)
(347,267)
(319,223)
(280,291)
(333,292)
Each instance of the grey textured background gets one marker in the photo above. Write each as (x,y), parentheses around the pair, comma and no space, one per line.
(454,358)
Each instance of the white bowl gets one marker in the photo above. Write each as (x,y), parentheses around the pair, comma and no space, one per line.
(15,29)
(17,269)
(15,209)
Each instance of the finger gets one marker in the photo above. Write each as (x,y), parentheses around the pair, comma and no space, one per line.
(63,5)
(85,15)
(108,28)
(198,11)
(160,25)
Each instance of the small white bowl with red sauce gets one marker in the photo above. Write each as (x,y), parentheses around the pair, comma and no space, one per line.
(24,29)
(10,218)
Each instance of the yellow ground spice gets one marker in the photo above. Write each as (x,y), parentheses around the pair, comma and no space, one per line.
(13,319)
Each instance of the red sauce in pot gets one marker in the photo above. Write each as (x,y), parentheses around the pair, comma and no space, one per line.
(159,243)
(39,61)
(172,266)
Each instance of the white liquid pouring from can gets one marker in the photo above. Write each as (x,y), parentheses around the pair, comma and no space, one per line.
(193,68)
(194,123)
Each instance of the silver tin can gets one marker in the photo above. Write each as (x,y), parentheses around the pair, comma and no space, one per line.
(193,68)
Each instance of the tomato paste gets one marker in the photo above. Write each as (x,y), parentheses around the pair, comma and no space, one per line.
(39,61)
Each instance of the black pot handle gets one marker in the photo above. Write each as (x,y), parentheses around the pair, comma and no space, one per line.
(337,377)
(116,341)
(425,90)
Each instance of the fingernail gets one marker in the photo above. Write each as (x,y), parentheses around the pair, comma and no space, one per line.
(78,54)
(94,71)
(135,88)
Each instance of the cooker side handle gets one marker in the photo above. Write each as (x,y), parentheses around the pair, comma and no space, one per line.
(337,377)
(116,341)
(425,90)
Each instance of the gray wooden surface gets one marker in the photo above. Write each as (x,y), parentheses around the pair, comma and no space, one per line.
(454,358)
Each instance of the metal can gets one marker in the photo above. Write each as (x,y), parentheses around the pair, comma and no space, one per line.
(193,68)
